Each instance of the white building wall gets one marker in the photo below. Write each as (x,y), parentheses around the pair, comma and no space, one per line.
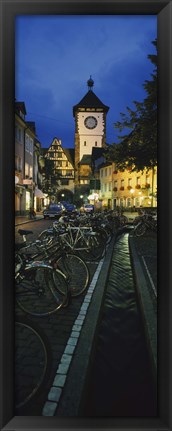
(90,138)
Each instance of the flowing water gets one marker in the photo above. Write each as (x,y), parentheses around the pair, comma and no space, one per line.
(121,383)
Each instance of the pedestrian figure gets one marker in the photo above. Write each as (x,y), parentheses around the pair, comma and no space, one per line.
(32,213)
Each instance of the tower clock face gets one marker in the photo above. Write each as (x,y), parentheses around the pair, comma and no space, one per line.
(90,122)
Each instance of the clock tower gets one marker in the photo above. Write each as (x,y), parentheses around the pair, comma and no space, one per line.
(90,126)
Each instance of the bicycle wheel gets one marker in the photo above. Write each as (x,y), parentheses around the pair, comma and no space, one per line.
(46,237)
(18,263)
(96,248)
(76,271)
(140,229)
(36,293)
(105,233)
(123,220)
(32,361)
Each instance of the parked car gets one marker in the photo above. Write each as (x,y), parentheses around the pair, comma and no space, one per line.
(69,207)
(87,208)
(54,211)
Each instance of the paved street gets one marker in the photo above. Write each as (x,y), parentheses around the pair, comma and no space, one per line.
(63,329)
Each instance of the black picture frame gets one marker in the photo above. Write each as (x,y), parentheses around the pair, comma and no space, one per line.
(163,10)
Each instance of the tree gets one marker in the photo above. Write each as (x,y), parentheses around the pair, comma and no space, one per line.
(138,149)
(51,178)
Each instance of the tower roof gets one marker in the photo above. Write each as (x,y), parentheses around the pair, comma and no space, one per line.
(90,83)
(70,154)
(20,106)
(90,100)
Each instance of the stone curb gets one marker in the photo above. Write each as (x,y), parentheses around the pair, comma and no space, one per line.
(28,221)
(146,306)
(76,384)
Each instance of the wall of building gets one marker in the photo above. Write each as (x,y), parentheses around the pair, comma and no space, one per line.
(89,137)
(134,188)
(127,189)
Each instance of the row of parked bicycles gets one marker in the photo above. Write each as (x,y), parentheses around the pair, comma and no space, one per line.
(54,267)
(49,272)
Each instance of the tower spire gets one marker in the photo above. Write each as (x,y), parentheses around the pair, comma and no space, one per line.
(90,83)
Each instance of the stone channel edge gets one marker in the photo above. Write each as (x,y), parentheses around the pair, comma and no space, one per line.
(147,310)
(72,398)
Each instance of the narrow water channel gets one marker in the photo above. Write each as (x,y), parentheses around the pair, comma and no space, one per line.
(121,382)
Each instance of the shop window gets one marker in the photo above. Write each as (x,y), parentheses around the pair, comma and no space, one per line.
(129,202)
(26,170)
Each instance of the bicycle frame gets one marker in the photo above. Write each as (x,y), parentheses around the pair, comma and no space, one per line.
(71,240)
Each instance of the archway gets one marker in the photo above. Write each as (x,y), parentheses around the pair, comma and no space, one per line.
(65,195)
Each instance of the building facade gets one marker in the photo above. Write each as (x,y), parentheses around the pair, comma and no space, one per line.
(58,180)
(20,126)
(127,189)
(135,189)
(28,176)
(24,160)
(90,130)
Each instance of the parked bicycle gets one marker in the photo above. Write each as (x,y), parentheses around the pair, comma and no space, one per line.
(73,268)
(33,360)
(36,291)
(144,223)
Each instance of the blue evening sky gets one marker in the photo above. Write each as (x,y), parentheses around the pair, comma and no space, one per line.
(56,54)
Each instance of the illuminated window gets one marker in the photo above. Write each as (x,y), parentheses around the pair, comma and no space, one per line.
(28,200)
(31,172)
(26,170)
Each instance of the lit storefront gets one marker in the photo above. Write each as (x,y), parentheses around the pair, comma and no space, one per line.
(28,200)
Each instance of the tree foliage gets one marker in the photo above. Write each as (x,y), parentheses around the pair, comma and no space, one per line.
(51,177)
(138,149)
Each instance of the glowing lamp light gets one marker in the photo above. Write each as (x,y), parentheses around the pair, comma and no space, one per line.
(93,197)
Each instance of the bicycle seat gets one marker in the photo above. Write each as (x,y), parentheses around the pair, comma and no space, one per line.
(24,232)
